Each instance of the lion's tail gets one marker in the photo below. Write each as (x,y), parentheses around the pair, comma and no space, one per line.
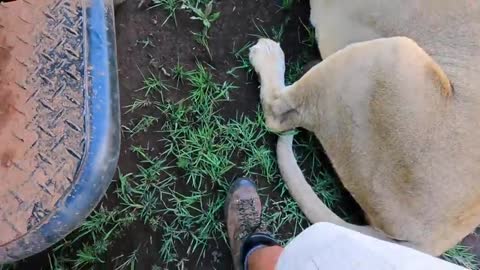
(313,208)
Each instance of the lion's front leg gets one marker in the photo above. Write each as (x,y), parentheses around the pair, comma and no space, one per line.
(269,62)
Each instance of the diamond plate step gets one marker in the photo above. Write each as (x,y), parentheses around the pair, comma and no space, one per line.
(59,118)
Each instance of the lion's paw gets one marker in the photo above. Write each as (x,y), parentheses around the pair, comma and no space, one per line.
(267,55)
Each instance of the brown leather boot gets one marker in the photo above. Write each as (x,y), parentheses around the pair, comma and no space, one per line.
(243,210)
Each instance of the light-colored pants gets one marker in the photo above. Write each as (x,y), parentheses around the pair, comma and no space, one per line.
(331,247)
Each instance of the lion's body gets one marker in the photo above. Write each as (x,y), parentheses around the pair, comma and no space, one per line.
(403,141)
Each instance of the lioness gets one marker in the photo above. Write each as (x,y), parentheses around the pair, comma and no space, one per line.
(396,105)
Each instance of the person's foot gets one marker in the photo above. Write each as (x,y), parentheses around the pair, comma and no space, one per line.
(243,210)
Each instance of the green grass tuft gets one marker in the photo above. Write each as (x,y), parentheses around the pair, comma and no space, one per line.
(146,42)
(310,39)
(129,262)
(141,126)
(276,33)
(202,11)
(154,85)
(89,255)
(462,255)
(179,73)
(287,4)
(241,55)
(170,6)
(140,104)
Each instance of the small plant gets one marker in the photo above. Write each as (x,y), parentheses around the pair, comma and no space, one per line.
(130,261)
(327,189)
(241,55)
(276,33)
(286,212)
(153,84)
(171,234)
(462,255)
(196,219)
(310,40)
(140,103)
(156,267)
(202,39)
(206,92)
(143,192)
(206,16)
(260,157)
(88,255)
(294,71)
(141,126)
(179,73)
(54,263)
(146,42)
(170,6)
(287,4)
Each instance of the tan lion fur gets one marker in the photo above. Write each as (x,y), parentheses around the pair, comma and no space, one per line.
(396,106)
